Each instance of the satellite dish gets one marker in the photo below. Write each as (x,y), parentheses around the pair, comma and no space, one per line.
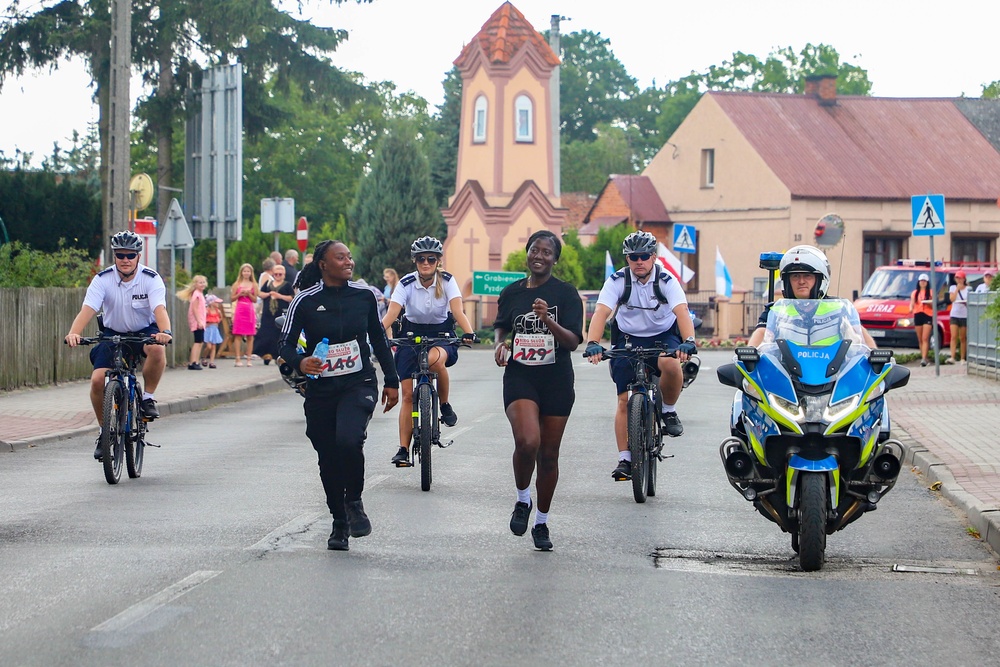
(141,189)
(829,230)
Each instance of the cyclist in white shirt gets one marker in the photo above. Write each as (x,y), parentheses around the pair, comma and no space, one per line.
(133,298)
(646,306)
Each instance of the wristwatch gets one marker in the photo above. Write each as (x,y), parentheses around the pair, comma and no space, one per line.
(168,332)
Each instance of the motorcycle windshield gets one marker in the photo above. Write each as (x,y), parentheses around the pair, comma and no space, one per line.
(813,322)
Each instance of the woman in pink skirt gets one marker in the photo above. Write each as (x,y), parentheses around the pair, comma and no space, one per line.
(243,296)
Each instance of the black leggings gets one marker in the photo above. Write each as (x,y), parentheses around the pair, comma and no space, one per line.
(337,425)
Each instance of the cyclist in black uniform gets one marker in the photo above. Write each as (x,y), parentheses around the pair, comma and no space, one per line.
(339,402)
(545,316)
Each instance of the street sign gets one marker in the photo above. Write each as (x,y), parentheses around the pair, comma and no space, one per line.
(491,283)
(277,214)
(928,215)
(684,238)
(175,233)
(302,234)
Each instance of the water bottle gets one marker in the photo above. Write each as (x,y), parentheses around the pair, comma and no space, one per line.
(320,352)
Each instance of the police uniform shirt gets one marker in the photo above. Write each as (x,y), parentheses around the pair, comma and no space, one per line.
(644,318)
(128,306)
(420,303)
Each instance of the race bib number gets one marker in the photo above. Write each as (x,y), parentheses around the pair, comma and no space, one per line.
(342,359)
(534,349)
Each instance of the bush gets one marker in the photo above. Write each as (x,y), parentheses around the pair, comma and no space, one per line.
(20,266)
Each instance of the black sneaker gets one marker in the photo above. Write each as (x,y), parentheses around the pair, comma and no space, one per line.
(672,424)
(519,518)
(623,472)
(923,362)
(357,519)
(338,538)
(149,408)
(540,534)
(194,366)
(98,452)
(402,458)
(448,415)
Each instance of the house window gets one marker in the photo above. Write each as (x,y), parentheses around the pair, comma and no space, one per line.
(972,249)
(479,121)
(708,168)
(880,251)
(524,118)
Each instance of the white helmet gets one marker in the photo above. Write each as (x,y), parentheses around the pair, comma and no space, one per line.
(805,259)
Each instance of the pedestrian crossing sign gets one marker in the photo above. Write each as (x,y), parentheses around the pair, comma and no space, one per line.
(928,215)
(684,238)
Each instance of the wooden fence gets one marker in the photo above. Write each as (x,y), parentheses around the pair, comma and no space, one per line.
(33,323)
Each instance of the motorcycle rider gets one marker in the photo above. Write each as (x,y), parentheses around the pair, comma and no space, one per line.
(654,311)
(804,274)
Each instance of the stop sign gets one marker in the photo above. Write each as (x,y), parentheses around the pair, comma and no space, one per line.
(302,234)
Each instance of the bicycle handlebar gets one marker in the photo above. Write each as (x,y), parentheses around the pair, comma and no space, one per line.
(640,352)
(121,338)
(427,341)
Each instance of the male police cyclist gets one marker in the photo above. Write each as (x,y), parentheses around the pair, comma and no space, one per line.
(647,306)
(133,298)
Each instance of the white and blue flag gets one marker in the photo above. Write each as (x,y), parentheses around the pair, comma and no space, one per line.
(609,268)
(723,283)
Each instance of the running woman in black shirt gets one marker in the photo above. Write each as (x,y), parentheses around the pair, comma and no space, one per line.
(545,316)
(339,402)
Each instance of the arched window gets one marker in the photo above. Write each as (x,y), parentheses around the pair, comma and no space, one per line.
(479,121)
(524,118)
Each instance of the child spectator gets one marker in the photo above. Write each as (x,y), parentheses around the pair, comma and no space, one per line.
(213,337)
(194,294)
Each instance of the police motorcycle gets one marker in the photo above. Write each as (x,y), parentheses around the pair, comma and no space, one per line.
(810,444)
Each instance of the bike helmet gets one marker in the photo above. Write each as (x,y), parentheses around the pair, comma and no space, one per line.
(126,241)
(639,242)
(805,259)
(426,244)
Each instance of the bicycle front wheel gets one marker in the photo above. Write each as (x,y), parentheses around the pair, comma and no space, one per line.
(113,430)
(136,439)
(426,431)
(638,412)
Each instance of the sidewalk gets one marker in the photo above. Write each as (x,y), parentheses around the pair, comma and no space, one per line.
(30,417)
(948,425)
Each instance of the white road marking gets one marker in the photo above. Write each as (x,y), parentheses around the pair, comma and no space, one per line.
(141,610)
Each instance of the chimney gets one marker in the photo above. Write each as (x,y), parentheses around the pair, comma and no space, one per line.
(812,85)
(828,90)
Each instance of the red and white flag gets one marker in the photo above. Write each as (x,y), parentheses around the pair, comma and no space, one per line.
(672,264)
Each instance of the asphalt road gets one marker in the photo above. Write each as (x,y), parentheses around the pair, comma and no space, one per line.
(216,556)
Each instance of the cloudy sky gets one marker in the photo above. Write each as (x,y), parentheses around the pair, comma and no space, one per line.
(915,48)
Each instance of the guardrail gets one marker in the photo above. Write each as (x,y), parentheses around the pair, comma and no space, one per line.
(983,356)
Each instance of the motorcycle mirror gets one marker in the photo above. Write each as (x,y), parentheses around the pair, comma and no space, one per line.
(730,375)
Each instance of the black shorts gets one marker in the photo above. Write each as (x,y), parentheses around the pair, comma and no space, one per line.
(920,319)
(621,368)
(102,354)
(551,389)
(960,322)
(199,335)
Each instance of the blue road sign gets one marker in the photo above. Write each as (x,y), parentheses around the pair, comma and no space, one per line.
(684,238)
(928,215)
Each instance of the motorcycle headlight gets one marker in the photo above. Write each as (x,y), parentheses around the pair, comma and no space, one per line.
(815,407)
(877,391)
(750,390)
(793,411)
(835,411)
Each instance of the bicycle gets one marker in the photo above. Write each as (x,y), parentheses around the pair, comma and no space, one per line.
(123,426)
(645,439)
(426,406)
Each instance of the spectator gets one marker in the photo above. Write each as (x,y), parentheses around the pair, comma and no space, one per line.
(291,259)
(987,281)
(391,278)
(307,259)
(213,337)
(242,295)
(922,307)
(959,295)
(194,294)
(276,295)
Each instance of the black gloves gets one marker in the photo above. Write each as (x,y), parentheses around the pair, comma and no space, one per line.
(688,347)
(470,337)
(592,349)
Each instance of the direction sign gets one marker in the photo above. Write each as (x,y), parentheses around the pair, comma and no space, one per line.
(684,238)
(175,232)
(491,283)
(302,234)
(928,215)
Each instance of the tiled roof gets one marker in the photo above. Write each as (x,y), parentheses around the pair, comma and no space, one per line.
(503,34)
(867,147)
(594,225)
(639,195)
(578,204)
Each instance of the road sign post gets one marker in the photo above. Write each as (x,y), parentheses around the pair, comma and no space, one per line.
(491,283)
(302,235)
(928,220)
(685,239)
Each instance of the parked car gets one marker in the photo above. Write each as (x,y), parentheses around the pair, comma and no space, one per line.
(884,304)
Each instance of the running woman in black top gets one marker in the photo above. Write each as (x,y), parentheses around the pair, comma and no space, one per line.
(339,402)
(545,316)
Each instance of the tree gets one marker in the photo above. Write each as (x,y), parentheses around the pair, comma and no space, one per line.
(587,164)
(443,149)
(568,268)
(394,205)
(991,91)
(592,257)
(47,212)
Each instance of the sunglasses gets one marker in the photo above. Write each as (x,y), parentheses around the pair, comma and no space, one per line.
(426,259)
(126,255)
(639,256)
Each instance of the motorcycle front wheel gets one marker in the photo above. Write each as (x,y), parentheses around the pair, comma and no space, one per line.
(812,520)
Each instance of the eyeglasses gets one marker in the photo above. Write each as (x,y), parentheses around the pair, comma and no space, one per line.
(426,259)
(126,255)
(639,256)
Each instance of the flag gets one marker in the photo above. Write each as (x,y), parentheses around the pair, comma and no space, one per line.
(672,264)
(609,268)
(723,283)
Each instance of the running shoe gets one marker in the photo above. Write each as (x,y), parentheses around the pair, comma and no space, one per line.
(448,415)
(519,517)
(98,452)
(672,424)
(402,458)
(149,408)
(623,472)
(338,538)
(357,519)
(923,362)
(194,366)
(540,534)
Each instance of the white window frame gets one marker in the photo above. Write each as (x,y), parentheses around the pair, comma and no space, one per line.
(708,168)
(523,104)
(480,120)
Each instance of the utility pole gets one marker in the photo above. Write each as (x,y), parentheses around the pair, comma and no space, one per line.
(118,128)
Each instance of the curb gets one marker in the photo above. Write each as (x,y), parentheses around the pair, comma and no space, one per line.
(175,407)
(983,518)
